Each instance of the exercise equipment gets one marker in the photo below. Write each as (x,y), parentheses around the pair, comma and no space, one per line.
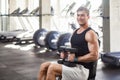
(64,40)
(17,35)
(51,40)
(65,50)
(2,37)
(20,34)
(73,26)
(25,37)
(111,58)
(15,12)
(24,11)
(11,35)
(39,37)
(35,11)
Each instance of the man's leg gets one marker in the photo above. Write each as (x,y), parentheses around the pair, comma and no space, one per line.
(43,70)
(53,71)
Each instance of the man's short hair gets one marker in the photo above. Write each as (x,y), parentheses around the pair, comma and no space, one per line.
(83,9)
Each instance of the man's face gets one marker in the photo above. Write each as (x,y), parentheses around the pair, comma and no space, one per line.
(82,18)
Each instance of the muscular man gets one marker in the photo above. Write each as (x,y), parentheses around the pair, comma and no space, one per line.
(85,39)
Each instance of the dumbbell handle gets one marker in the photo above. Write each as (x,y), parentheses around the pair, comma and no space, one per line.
(67,49)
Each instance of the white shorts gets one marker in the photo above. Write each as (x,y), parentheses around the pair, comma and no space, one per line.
(75,73)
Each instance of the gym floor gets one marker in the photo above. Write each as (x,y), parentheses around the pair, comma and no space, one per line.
(22,62)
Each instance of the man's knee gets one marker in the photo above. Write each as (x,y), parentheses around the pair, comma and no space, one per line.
(55,68)
(51,67)
(44,66)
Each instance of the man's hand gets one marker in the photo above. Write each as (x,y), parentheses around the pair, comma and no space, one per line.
(63,55)
(71,57)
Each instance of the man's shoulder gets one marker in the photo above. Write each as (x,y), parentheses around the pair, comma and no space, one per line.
(90,35)
(91,32)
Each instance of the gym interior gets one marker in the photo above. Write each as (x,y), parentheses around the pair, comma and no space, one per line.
(31,31)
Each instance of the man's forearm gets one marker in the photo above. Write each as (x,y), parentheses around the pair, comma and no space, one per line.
(88,57)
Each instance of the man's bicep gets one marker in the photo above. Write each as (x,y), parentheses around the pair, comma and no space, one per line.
(93,46)
(92,42)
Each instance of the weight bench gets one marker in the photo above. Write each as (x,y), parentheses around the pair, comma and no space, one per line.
(111,58)
(92,71)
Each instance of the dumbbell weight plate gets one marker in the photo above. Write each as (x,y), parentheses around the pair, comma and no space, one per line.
(39,37)
(64,40)
(51,40)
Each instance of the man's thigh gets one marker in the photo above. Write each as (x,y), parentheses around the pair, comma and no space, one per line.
(57,68)
(74,73)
